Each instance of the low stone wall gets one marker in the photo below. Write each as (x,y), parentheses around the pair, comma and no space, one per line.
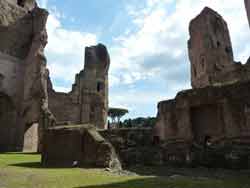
(134,146)
(79,145)
(139,147)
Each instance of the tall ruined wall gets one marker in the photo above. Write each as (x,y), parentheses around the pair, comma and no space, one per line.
(211,107)
(211,54)
(22,70)
(209,124)
(210,49)
(88,100)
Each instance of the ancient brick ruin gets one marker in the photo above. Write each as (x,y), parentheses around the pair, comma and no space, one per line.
(206,125)
(209,123)
(23,73)
(211,54)
(26,92)
(88,100)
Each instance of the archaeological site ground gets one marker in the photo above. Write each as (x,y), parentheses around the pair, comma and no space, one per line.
(201,137)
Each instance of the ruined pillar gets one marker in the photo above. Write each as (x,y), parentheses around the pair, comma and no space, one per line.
(209,47)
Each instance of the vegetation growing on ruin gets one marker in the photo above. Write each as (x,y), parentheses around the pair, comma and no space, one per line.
(24,170)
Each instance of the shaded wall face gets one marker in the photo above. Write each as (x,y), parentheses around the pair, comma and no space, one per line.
(64,108)
(11,127)
(206,121)
(11,135)
(62,148)
(22,65)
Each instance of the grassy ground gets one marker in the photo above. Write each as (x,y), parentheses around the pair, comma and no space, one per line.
(19,170)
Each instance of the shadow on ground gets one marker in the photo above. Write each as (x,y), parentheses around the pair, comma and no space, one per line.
(21,153)
(38,165)
(178,182)
(167,171)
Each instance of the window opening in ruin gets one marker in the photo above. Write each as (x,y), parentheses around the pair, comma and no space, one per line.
(99,86)
(203,62)
(207,141)
(218,44)
(228,50)
(20,3)
(195,72)
(156,140)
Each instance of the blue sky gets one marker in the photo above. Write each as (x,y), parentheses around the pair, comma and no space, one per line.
(146,39)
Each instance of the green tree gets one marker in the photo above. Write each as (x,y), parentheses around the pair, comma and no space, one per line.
(117,113)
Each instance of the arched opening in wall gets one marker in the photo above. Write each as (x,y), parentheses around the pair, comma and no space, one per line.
(31,138)
(8,129)
(20,3)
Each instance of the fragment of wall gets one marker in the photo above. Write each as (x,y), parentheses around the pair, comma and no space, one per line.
(209,47)
(219,112)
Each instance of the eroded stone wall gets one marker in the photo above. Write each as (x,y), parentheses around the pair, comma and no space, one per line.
(209,124)
(210,48)
(211,54)
(134,146)
(22,69)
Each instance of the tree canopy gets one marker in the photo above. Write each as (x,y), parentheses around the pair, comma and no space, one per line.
(117,113)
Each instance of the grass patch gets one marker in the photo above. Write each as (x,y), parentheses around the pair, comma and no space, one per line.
(23,170)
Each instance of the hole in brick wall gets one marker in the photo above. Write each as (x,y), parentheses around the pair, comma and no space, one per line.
(99,86)
(228,50)
(20,3)
(203,62)
(156,140)
(195,73)
(218,44)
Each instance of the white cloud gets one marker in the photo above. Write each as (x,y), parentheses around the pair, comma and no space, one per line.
(162,28)
(65,50)
(63,41)
(158,49)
